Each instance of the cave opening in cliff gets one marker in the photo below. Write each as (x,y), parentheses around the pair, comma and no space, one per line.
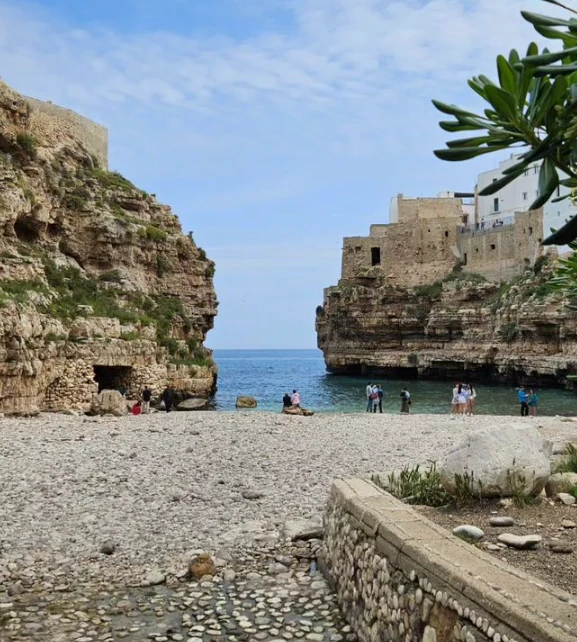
(25,230)
(113,377)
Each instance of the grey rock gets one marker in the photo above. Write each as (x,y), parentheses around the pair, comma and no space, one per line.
(501,521)
(560,483)
(561,549)
(195,403)
(15,589)
(154,577)
(108,548)
(472,532)
(566,499)
(303,529)
(520,542)
(568,523)
(252,494)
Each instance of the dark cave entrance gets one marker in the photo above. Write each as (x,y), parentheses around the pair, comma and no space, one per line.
(26,230)
(113,377)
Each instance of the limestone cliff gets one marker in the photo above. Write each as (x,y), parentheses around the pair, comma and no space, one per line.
(463,327)
(99,287)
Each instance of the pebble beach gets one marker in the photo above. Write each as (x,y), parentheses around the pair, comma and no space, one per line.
(92,507)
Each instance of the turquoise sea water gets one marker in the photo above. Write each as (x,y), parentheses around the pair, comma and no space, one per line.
(268,374)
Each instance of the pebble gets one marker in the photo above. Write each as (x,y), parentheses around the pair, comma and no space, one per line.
(472,532)
(568,523)
(567,499)
(501,521)
(520,542)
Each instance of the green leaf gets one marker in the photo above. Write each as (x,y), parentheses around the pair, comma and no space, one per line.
(556,70)
(544,21)
(548,177)
(507,76)
(565,235)
(503,102)
(452,110)
(463,153)
(548,58)
(452,126)
(547,32)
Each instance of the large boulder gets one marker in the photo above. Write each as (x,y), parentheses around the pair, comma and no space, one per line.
(504,460)
(246,402)
(109,402)
(560,483)
(194,403)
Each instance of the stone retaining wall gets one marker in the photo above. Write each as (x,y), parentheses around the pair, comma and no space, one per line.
(399,577)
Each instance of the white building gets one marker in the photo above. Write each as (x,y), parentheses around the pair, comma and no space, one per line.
(518,196)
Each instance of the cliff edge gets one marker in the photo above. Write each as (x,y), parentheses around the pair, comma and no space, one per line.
(99,287)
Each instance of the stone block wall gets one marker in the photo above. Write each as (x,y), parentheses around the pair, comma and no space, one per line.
(401,578)
(52,123)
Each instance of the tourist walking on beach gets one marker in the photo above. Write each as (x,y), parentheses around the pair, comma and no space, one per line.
(405,401)
(296,399)
(380,395)
(532,402)
(472,399)
(369,392)
(455,400)
(168,398)
(146,397)
(523,398)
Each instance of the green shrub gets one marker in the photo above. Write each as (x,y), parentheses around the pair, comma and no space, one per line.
(27,143)
(414,486)
(540,263)
(201,253)
(573,491)
(130,336)
(193,361)
(19,290)
(515,483)
(111,276)
(172,345)
(509,332)
(210,269)
(152,233)
(110,180)
(413,358)
(431,291)
(569,463)
(161,265)
(542,290)
(29,195)
(52,337)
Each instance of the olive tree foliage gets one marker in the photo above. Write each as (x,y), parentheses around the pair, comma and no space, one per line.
(532,106)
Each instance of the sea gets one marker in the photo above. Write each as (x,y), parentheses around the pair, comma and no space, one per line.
(268,374)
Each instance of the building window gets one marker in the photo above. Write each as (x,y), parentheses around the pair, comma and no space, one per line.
(358,248)
(492,246)
(477,250)
(495,204)
(526,172)
(375,256)
(558,191)
(525,196)
(494,180)
(530,231)
(536,169)
(446,234)
(465,258)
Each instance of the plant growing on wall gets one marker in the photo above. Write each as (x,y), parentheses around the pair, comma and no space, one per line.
(532,106)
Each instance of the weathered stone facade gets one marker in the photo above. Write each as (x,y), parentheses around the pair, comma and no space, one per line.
(401,578)
(98,284)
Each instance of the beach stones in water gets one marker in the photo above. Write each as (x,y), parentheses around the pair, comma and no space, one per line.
(521,542)
(499,521)
(471,532)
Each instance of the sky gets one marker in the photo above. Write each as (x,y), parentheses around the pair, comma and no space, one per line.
(274,128)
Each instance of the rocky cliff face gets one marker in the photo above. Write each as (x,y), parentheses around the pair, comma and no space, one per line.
(461,328)
(99,287)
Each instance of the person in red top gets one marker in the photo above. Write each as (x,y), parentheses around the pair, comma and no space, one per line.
(136,409)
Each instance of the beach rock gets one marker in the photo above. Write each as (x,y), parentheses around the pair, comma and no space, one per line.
(560,483)
(109,402)
(108,548)
(246,402)
(193,404)
(471,532)
(521,542)
(303,529)
(201,565)
(566,499)
(561,549)
(154,578)
(501,521)
(301,412)
(252,494)
(496,454)
(568,523)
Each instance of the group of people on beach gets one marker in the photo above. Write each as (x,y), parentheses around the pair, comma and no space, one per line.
(528,401)
(291,401)
(375,395)
(464,398)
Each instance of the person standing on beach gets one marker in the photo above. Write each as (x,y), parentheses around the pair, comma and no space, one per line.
(168,398)
(146,397)
(405,401)
(369,393)
(380,395)
(461,401)
(532,402)
(522,396)
(472,398)
(455,400)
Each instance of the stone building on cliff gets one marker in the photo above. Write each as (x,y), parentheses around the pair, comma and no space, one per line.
(99,286)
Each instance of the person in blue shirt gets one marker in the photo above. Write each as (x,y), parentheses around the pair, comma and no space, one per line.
(532,402)
(523,399)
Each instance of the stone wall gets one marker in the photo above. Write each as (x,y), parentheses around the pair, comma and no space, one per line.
(499,254)
(52,124)
(399,577)
(412,209)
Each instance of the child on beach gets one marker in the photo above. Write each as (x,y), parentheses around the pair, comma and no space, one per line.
(532,402)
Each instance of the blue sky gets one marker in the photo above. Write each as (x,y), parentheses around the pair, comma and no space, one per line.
(272,127)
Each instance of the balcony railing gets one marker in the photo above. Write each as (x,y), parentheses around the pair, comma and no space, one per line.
(494,225)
